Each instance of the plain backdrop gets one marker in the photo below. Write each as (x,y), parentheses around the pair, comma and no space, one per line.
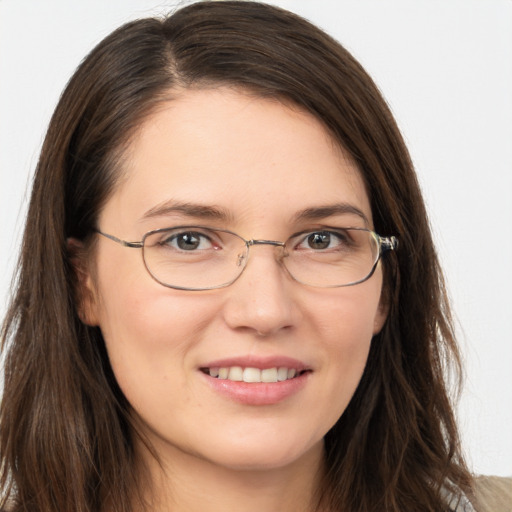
(445,67)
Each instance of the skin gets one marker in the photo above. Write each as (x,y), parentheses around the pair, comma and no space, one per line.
(261,162)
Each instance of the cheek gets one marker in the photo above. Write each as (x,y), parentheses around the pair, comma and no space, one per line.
(348,316)
(347,343)
(148,330)
(345,324)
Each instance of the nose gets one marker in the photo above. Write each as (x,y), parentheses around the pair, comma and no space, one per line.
(263,299)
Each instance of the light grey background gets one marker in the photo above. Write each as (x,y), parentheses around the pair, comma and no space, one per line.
(445,67)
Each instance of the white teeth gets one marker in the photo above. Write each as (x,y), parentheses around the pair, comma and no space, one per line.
(269,375)
(237,374)
(252,375)
(282,374)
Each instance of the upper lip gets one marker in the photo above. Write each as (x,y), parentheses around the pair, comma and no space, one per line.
(258,362)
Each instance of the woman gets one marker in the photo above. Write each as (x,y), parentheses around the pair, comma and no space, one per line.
(228,294)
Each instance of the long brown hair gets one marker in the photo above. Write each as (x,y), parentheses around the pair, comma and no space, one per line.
(66,439)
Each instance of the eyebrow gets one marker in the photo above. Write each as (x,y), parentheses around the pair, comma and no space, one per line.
(322,212)
(210,212)
(217,213)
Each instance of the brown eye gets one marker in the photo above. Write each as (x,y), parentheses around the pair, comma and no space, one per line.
(323,241)
(319,240)
(187,241)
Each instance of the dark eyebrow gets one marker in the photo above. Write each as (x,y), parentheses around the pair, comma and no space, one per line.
(187,209)
(321,212)
(212,212)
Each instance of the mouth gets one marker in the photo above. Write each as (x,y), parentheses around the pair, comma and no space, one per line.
(257,381)
(253,375)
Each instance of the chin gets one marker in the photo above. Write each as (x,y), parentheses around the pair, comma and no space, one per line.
(252,456)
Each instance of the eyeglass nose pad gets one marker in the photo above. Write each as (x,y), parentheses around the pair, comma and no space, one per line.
(281,253)
(240,260)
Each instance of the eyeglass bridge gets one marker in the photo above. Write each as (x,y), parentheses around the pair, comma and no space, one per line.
(248,243)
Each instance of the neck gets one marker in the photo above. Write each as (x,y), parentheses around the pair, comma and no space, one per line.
(183,482)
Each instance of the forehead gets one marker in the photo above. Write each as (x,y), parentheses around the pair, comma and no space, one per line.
(245,155)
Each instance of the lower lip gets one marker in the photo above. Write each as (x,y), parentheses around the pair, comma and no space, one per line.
(258,393)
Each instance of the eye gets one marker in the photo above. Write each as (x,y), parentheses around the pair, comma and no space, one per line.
(188,241)
(319,240)
(322,240)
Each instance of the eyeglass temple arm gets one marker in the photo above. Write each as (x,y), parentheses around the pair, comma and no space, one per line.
(124,243)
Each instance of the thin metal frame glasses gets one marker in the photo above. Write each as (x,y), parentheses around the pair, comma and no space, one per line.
(195,258)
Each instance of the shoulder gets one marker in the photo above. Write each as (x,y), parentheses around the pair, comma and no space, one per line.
(493,493)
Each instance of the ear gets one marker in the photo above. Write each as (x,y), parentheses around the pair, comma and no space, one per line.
(382,312)
(85,294)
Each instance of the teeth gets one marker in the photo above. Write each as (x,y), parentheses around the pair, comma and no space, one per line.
(269,375)
(252,375)
(282,374)
(238,374)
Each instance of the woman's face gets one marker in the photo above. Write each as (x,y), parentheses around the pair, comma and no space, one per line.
(265,171)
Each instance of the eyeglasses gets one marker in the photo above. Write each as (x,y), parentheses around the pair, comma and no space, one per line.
(203,258)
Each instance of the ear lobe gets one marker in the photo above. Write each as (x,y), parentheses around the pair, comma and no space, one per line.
(380,318)
(85,296)
(382,313)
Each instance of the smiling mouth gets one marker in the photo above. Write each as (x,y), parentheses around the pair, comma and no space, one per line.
(253,375)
